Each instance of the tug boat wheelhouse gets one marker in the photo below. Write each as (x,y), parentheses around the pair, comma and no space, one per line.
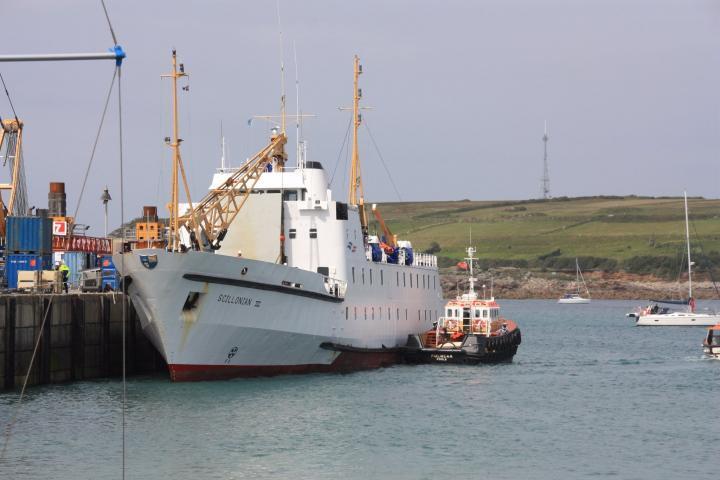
(471,331)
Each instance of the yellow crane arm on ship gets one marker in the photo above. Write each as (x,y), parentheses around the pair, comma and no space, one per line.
(211,216)
(389,237)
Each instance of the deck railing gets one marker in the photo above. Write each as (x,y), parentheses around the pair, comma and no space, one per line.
(419,259)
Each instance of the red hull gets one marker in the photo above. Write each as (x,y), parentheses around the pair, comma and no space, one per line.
(344,363)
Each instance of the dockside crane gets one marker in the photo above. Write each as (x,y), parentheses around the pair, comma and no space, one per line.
(11,157)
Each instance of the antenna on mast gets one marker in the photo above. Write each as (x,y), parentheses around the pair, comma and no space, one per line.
(298,119)
(282,72)
(546,173)
(223,158)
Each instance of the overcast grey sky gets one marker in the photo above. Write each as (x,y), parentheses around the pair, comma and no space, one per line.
(460,90)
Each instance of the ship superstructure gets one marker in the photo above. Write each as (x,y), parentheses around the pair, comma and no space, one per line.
(269,266)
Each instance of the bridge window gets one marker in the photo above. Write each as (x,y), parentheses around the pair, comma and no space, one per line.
(313,233)
(397,278)
(423,281)
(290,195)
(449,312)
(404,284)
(382,280)
(363,275)
(410,280)
(347,312)
(293,233)
(370,276)
(353,274)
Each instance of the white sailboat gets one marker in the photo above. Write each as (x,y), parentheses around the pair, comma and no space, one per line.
(575,297)
(655,315)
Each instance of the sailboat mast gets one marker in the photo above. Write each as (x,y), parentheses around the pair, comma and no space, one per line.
(687,240)
(355,192)
(577,276)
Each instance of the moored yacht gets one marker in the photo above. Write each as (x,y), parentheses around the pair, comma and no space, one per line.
(660,316)
(575,297)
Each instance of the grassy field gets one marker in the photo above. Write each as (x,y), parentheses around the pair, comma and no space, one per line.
(619,233)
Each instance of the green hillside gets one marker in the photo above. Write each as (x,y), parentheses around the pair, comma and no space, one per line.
(632,234)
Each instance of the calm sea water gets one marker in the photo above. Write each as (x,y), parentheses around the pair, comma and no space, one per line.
(588,395)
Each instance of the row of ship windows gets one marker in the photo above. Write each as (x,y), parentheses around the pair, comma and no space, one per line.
(427,315)
(425,279)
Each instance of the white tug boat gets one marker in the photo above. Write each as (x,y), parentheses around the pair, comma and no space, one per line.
(656,315)
(575,297)
(471,331)
(711,344)
(269,274)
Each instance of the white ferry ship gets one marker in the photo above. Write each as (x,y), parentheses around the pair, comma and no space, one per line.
(284,279)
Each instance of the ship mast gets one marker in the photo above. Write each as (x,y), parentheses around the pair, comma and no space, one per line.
(471,291)
(174,242)
(355,192)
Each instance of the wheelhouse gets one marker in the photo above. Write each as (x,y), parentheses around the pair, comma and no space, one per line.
(469,317)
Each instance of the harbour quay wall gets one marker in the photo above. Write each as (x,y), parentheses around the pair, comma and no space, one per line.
(81,339)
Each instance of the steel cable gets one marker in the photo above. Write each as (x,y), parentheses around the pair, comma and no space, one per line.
(95,144)
(122,267)
(382,160)
(107,17)
(342,147)
(9,99)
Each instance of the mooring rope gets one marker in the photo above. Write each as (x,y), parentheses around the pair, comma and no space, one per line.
(8,428)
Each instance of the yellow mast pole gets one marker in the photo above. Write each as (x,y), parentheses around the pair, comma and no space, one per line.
(175,145)
(355,176)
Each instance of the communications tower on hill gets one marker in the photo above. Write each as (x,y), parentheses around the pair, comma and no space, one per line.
(546,173)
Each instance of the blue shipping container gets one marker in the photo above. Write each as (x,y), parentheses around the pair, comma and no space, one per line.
(29,235)
(109,273)
(16,262)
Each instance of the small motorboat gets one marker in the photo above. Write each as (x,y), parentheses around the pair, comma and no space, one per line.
(471,331)
(711,344)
